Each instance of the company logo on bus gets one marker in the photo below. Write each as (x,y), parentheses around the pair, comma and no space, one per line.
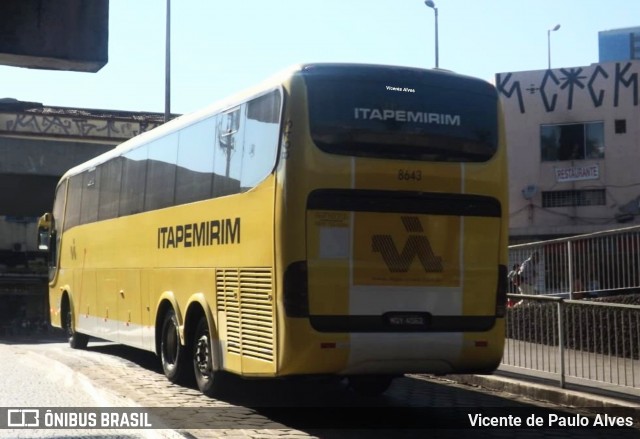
(417,245)
(206,233)
(407,116)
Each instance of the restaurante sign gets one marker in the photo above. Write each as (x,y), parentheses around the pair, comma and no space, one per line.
(591,172)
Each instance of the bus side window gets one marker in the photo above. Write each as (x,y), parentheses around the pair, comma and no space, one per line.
(89,201)
(134,173)
(260,139)
(161,173)
(194,177)
(54,228)
(228,155)
(74,197)
(109,175)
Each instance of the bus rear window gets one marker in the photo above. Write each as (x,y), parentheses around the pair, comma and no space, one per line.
(402,114)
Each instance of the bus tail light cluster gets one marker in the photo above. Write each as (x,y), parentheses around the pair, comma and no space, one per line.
(501,293)
(296,290)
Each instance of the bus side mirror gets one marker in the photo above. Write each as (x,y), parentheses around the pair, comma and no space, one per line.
(44,232)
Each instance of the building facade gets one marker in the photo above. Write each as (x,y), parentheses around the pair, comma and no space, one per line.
(619,44)
(573,138)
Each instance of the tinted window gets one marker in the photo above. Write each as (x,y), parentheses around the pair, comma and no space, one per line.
(228,152)
(74,198)
(195,162)
(90,195)
(58,206)
(161,172)
(58,212)
(134,172)
(402,113)
(109,175)
(261,134)
(225,154)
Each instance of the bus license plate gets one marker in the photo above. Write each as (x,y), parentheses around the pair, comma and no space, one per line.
(407,320)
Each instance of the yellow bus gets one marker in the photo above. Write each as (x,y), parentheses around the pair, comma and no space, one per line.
(339,219)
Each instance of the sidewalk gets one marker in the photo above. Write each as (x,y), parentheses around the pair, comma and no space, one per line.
(540,389)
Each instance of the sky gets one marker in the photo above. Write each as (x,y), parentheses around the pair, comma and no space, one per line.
(220,47)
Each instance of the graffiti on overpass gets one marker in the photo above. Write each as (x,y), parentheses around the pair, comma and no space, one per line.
(570,81)
(72,126)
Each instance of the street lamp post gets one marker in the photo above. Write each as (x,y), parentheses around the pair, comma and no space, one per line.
(555,28)
(432,5)
(167,65)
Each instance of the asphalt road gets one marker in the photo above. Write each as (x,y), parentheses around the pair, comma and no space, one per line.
(111,375)
(29,379)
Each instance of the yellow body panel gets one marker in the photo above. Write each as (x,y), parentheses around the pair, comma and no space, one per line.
(120,286)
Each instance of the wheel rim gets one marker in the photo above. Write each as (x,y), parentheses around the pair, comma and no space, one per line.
(201,356)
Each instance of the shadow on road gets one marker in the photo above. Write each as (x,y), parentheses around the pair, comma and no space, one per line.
(327,408)
(144,359)
(50,336)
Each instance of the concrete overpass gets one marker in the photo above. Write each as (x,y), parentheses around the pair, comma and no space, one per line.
(37,145)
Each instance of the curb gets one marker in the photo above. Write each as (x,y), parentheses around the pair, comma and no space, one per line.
(542,392)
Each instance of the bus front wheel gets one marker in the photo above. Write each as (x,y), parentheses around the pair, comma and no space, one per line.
(172,353)
(370,385)
(208,380)
(76,339)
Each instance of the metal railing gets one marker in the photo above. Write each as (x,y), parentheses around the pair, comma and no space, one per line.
(555,334)
(580,340)
(596,264)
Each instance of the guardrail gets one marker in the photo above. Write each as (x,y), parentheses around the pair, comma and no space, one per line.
(592,265)
(580,340)
(557,335)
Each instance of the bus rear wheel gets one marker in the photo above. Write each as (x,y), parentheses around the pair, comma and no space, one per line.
(174,356)
(76,339)
(207,379)
(370,385)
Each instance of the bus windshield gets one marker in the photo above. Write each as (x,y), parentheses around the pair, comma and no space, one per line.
(402,114)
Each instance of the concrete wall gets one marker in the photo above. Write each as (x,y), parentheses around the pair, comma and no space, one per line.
(45,156)
(56,35)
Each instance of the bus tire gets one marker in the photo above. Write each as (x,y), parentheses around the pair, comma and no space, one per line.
(173,354)
(370,385)
(76,339)
(207,379)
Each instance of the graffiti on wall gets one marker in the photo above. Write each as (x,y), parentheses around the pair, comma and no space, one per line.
(569,81)
(72,126)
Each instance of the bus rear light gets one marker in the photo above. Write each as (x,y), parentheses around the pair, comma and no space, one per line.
(328,345)
(481,343)
(501,292)
(296,294)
